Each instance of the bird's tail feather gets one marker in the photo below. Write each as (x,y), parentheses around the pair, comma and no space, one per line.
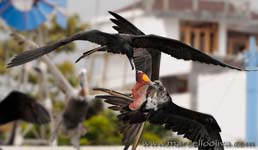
(138,136)
(131,134)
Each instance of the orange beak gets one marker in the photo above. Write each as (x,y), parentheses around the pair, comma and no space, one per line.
(145,78)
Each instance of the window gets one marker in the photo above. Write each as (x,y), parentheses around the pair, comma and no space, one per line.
(201,35)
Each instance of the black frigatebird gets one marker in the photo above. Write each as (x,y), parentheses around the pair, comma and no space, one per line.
(158,108)
(19,106)
(124,44)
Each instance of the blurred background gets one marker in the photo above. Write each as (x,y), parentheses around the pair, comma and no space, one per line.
(224,29)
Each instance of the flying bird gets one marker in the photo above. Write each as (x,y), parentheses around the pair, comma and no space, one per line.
(158,108)
(75,113)
(145,59)
(124,44)
(19,106)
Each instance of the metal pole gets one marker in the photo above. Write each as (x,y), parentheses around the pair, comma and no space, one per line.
(252,94)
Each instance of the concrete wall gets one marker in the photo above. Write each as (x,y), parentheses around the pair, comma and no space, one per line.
(224,96)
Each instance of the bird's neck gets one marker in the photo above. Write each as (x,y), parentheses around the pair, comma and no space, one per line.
(139,89)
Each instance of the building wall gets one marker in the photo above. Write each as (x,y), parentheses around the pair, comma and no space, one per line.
(224,96)
(222,39)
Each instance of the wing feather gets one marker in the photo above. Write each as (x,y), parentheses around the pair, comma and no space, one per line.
(94,36)
(197,127)
(120,103)
(19,106)
(124,26)
(177,49)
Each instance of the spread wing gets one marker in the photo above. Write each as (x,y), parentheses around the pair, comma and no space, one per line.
(94,36)
(120,103)
(19,106)
(124,26)
(177,49)
(128,130)
(202,129)
(197,127)
(146,60)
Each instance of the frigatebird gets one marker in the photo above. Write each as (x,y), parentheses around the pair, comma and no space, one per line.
(124,44)
(19,106)
(158,108)
(75,113)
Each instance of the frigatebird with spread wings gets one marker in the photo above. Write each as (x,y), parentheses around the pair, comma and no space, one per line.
(124,44)
(158,108)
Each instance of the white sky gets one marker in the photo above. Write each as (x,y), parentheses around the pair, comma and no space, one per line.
(91,8)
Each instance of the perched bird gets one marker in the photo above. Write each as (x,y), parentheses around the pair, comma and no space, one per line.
(20,106)
(124,44)
(75,113)
(158,108)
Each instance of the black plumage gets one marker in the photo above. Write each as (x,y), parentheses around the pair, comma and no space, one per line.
(75,113)
(159,109)
(124,44)
(70,124)
(120,102)
(145,59)
(20,106)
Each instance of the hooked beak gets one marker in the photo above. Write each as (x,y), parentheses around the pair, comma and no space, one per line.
(85,54)
(146,79)
(131,62)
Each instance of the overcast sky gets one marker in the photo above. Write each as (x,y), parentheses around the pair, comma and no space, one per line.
(91,8)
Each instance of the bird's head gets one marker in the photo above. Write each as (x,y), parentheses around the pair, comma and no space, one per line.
(83,82)
(157,96)
(143,78)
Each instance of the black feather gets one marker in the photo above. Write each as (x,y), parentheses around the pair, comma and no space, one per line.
(19,106)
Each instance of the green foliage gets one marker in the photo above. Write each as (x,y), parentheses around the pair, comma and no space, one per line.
(95,108)
(103,129)
(68,70)
(2,67)
(74,25)
(148,136)
(63,140)
(33,78)
(153,133)
(58,106)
